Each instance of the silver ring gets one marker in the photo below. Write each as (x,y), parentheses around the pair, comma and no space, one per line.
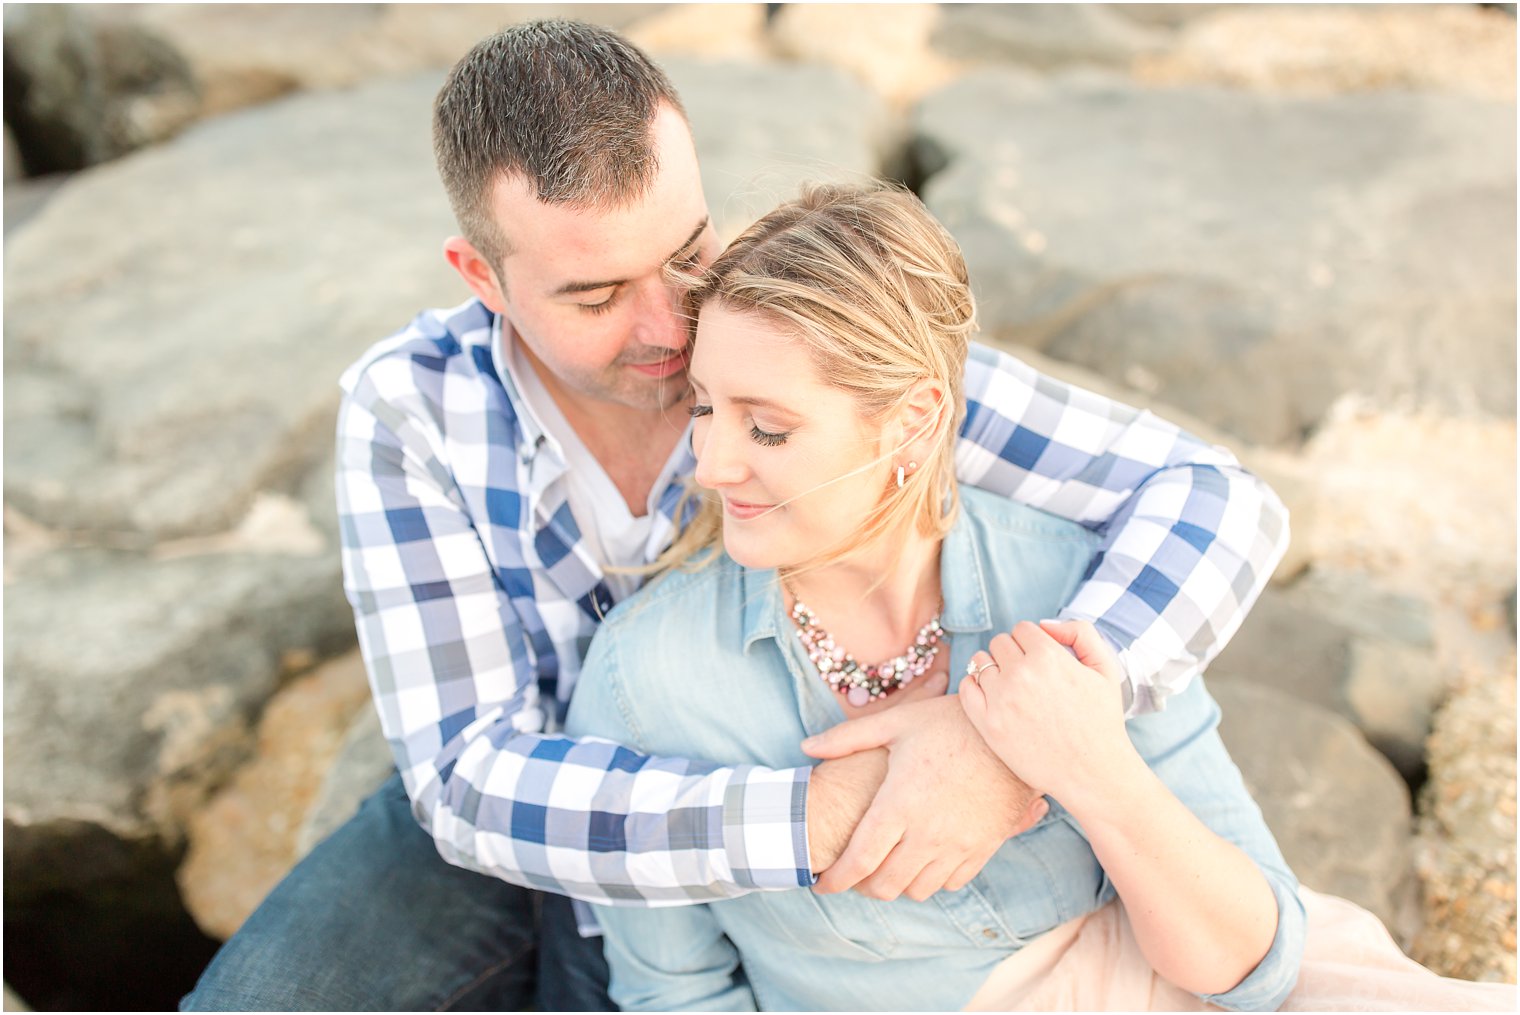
(974,671)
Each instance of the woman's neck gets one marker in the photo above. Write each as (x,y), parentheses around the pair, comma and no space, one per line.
(897,605)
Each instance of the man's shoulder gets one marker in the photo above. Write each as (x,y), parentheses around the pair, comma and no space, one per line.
(455,340)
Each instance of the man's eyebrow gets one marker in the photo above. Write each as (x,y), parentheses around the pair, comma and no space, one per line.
(570,288)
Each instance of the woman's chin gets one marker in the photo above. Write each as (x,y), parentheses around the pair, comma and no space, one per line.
(745,553)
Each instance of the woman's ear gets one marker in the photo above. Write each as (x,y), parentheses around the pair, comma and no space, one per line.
(476,272)
(925,415)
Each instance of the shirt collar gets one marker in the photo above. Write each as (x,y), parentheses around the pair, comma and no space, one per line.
(534,433)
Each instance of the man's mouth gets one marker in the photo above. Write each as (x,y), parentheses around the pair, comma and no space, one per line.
(662,368)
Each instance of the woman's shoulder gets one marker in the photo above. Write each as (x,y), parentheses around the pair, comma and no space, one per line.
(1015,519)
(685,598)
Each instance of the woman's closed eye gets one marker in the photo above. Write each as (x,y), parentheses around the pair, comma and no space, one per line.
(762,437)
(769,440)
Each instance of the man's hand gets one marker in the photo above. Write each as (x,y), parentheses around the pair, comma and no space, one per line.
(841,789)
(839,792)
(946,805)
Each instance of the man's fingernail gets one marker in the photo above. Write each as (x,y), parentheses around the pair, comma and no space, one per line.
(809,743)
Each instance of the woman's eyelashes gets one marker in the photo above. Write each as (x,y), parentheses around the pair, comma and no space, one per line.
(762,437)
(769,440)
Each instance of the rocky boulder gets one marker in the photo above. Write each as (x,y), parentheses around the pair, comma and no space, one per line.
(762,130)
(1248,258)
(1045,35)
(82,89)
(245,54)
(1338,640)
(1314,49)
(244,839)
(1339,812)
(255,238)
(1465,853)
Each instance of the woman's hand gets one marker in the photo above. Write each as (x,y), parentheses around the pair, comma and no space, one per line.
(1050,705)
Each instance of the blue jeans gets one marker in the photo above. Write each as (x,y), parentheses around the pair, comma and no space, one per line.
(374,919)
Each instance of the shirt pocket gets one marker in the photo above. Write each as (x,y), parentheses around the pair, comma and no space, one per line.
(1038,881)
(849,926)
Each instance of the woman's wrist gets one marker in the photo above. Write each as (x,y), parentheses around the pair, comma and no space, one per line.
(1104,786)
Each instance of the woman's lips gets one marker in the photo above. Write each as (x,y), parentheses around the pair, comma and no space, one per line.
(743,511)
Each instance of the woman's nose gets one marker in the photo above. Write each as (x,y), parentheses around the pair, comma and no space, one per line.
(719,458)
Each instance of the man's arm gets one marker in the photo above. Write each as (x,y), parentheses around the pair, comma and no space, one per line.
(1189,536)
(456,686)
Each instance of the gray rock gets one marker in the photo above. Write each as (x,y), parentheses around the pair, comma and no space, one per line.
(88,87)
(1340,813)
(1170,15)
(221,283)
(131,682)
(1339,642)
(1044,35)
(763,130)
(24,198)
(14,168)
(245,54)
(364,761)
(1255,256)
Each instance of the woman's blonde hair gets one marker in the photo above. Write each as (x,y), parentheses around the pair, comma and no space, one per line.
(877,291)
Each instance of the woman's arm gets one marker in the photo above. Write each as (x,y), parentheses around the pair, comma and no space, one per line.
(1207,911)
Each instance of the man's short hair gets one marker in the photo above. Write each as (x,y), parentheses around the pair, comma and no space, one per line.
(568,106)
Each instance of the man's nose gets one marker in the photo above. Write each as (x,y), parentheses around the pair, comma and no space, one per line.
(661,321)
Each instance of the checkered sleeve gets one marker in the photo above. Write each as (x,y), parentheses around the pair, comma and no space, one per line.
(455,684)
(1189,536)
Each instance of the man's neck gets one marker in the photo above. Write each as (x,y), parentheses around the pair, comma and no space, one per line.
(632,445)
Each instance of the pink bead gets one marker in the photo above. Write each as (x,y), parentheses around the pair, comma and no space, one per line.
(859,697)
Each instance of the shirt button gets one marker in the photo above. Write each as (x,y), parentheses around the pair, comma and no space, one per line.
(988,932)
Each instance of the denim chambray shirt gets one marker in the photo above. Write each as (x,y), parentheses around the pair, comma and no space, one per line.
(706,665)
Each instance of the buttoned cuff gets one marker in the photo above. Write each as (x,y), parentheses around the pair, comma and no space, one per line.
(765,827)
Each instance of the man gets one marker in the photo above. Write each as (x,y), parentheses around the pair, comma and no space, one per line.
(499,462)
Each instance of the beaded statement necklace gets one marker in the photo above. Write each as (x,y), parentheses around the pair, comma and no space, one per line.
(864,684)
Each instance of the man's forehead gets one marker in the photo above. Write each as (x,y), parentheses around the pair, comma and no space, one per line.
(564,244)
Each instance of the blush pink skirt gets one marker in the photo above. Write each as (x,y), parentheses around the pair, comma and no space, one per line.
(1351,963)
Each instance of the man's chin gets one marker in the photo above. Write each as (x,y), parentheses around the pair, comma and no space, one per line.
(660,394)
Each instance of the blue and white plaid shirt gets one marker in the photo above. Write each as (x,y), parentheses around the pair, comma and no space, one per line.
(475,600)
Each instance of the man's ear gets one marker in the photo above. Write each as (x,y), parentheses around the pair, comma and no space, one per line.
(476,272)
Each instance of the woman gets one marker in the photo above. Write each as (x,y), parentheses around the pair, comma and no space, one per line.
(827,356)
